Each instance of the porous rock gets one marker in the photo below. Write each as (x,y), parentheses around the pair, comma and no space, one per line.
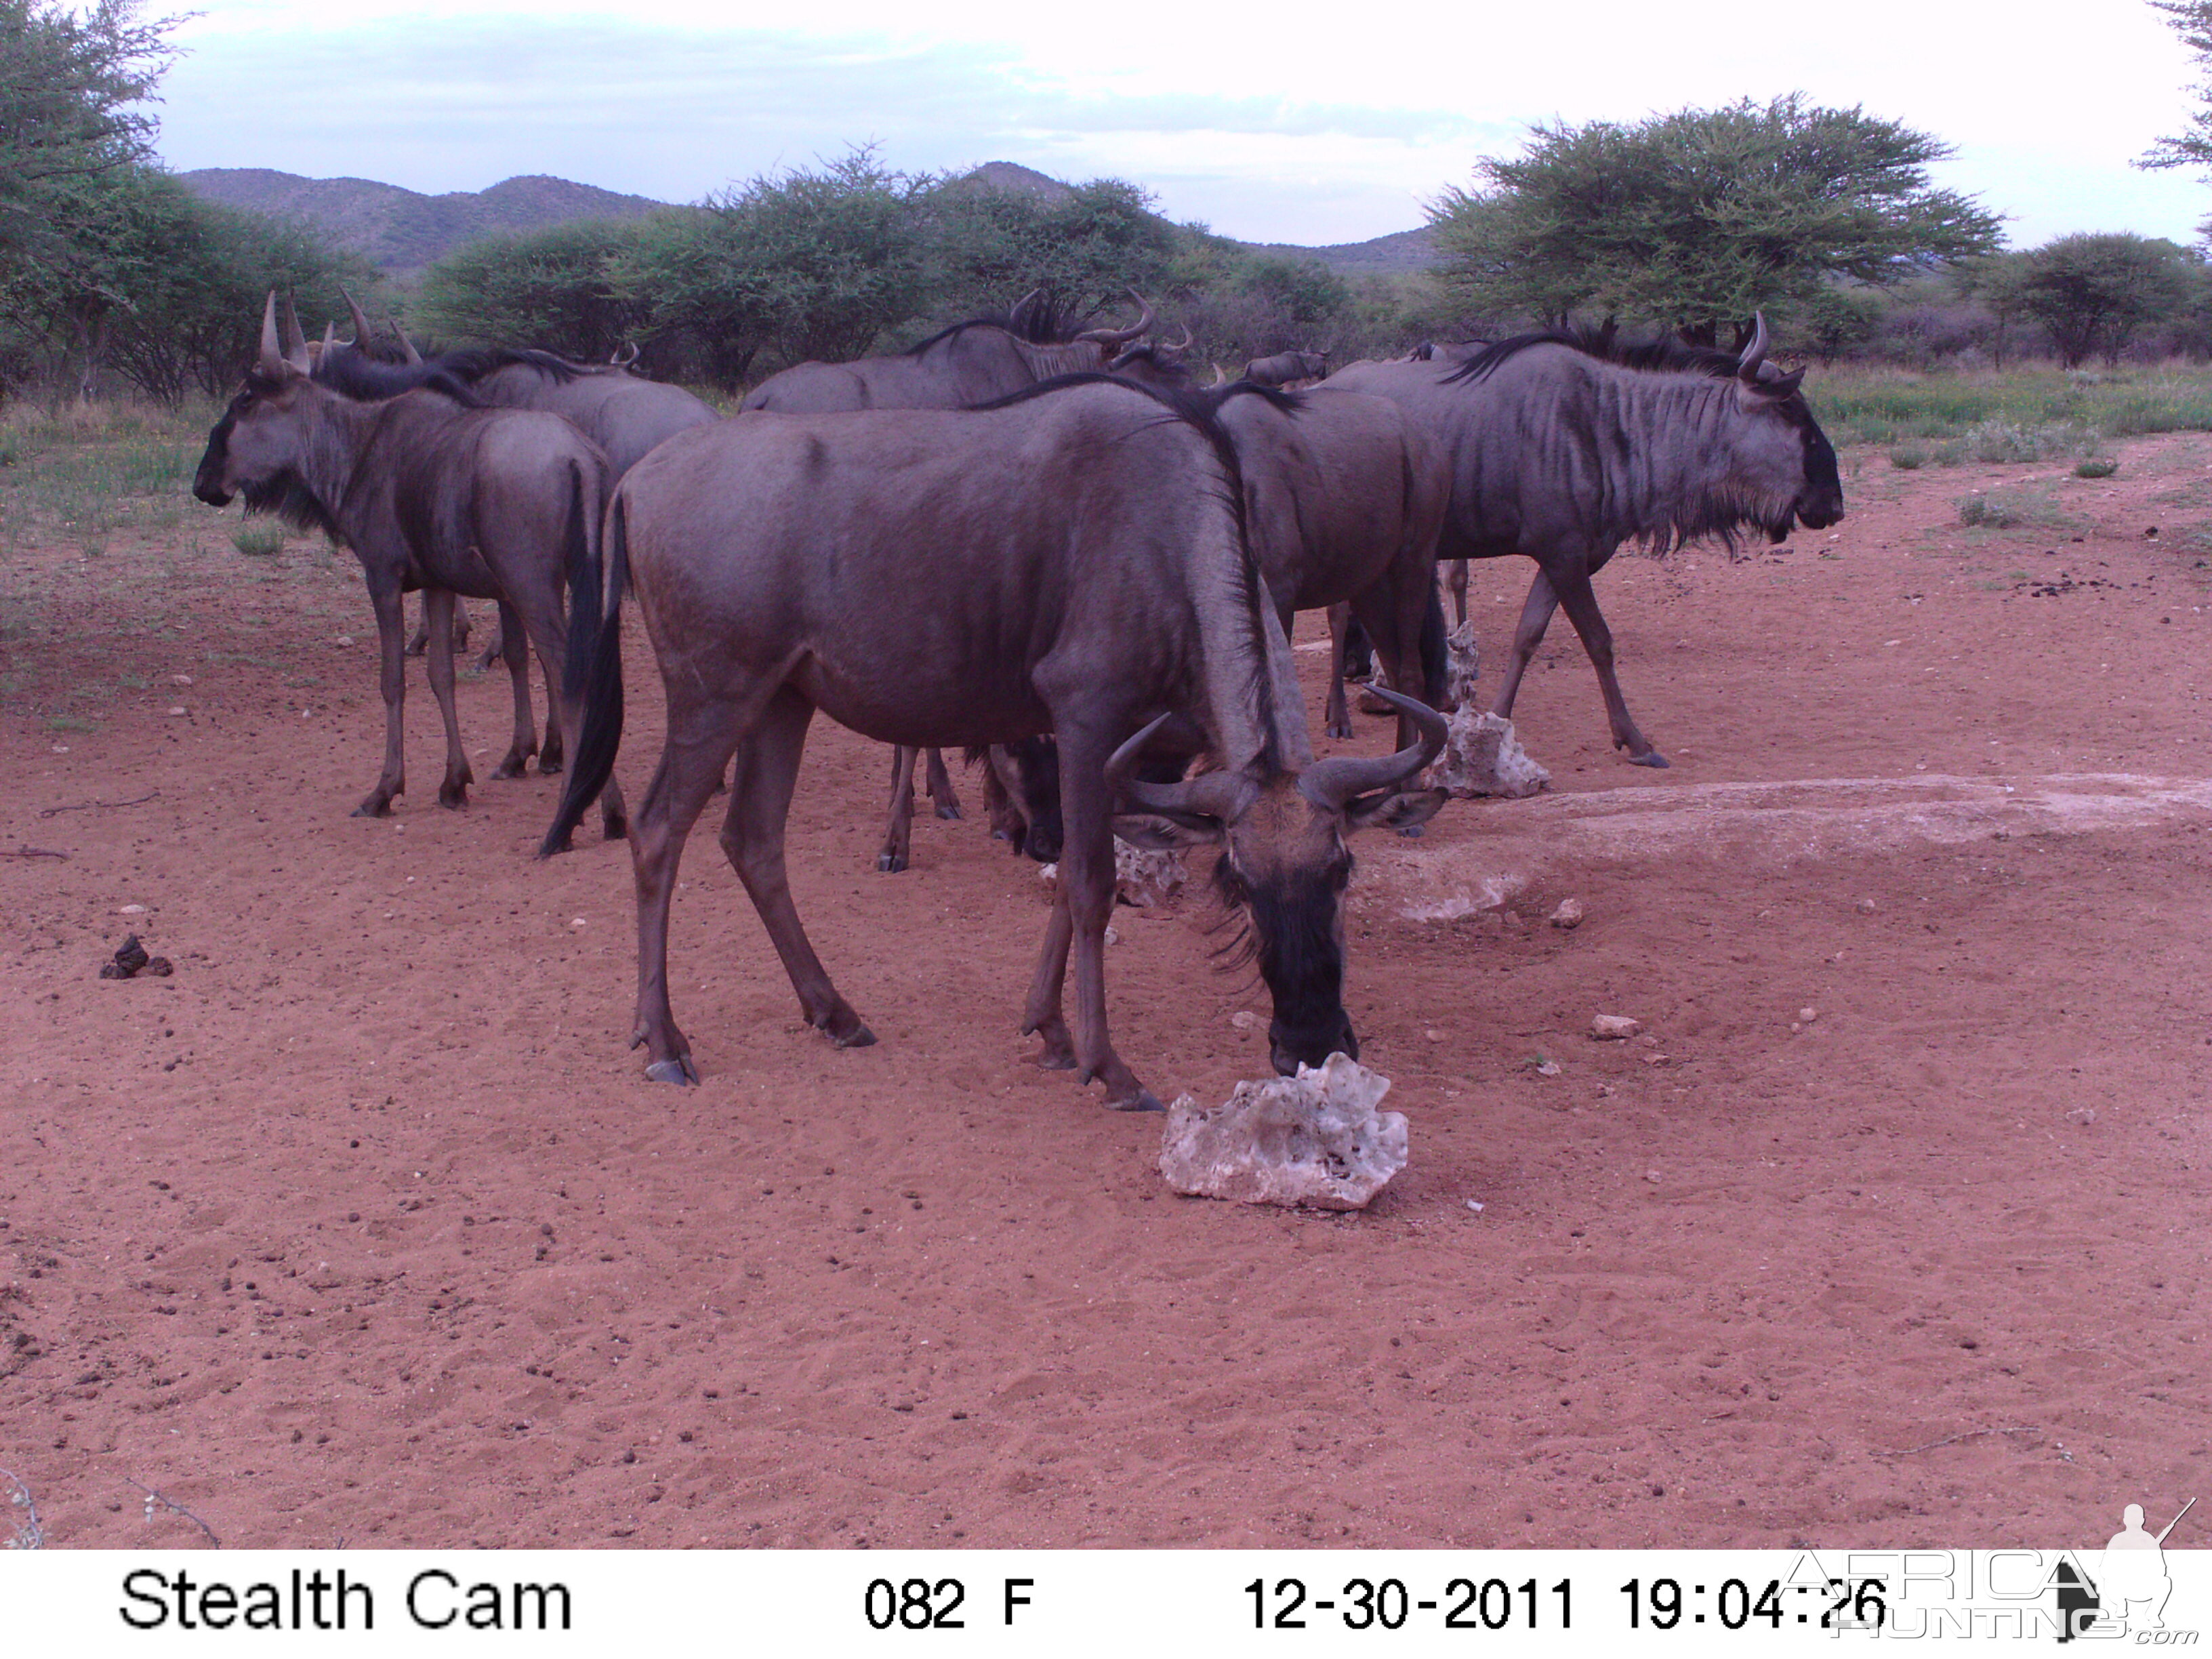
(1483,757)
(1142,878)
(1315,1140)
(1462,663)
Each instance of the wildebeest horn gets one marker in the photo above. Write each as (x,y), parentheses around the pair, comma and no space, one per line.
(1184,344)
(625,354)
(329,338)
(296,342)
(1117,336)
(1334,782)
(360,328)
(1215,795)
(272,352)
(406,345)
(1747,365)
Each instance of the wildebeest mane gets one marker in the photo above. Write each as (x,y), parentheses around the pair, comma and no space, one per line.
(453,373)
(1039,321)
(1200,407)
(1661,354)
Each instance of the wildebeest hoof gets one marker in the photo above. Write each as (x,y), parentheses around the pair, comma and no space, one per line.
(1648,757)
(549,768)
(512,767)
(616,826)
(678,1070)
(1336,731)
(890,863)
(453,797)
(1146,1101)
(373,808)
(846,1030)
(1411,832)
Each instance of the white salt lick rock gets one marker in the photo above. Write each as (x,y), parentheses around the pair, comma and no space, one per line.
(1314,1139)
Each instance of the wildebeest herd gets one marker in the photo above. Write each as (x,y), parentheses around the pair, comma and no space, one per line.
(1041,542)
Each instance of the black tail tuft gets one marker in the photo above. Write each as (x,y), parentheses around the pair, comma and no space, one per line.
(597,576)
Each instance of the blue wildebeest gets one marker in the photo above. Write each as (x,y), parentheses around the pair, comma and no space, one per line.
(1285,367)
(968,363)
(1072,560)
(431,493)
(625,415)
(1346,497)
(1561,446)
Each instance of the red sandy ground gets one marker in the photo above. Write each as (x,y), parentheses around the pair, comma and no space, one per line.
(365,1227)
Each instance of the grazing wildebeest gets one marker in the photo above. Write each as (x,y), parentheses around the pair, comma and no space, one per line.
(1562,445)
(970,362)
(1072,559)
(428,493)
(1345,495)
(1285,367)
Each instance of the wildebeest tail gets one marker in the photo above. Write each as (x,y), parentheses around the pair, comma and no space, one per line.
(598,570)
(1433,650)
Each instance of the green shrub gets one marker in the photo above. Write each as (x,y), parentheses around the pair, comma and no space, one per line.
(259,538)
(2014,509)
(2095,468)
(1908,457)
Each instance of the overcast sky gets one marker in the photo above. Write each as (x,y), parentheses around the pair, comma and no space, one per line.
(1280,122)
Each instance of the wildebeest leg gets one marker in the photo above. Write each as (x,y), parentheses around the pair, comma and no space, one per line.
(761,780)
(421,635)
(1535,616)
(1579,601)
(701,736)
(1040,1013)
(941,786)
(514,646)
(438,613)
(898,833)
(1458,583)
(1336,716)
(1001,798)
(392,640)
(1086,877)
(550,754)
(495,648)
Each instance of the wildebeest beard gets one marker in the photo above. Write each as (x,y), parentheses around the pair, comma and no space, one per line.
(1289,931)
(286,495)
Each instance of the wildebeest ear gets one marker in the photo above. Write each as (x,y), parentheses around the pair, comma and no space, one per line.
(1771,390)
(1155,832)
(1395,812)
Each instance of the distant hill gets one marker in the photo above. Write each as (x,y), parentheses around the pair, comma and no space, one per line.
(402,230)
(1400,252)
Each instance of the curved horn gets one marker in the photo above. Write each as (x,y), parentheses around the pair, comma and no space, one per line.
(1747,365)
(1334,782)
(406,345)
(296,342)
(330,339)
(1216,795)
(272,351)
(1184,344)
(362,332)
(1118,337)
(625,354)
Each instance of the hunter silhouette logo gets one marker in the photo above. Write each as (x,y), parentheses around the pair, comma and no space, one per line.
(2131,1585)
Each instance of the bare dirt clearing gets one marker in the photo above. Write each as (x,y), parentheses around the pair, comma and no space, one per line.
(364,1226)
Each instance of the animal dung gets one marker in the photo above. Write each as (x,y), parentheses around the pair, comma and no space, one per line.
(1315,1140)
(131,960)
(1483,757)
(1614,1028)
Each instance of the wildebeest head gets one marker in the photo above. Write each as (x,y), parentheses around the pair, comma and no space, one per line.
(1284,860)
(1784,457)
(1154,364)
(255,450)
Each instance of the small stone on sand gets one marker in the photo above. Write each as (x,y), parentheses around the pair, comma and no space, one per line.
(1548,1068)
(1806,1015)
(1614,1028)
(1243,1019)
(1569,914)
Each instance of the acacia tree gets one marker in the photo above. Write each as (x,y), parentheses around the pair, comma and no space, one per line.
(1689,218)
(554,288)
(2095,291)
(2193,21)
